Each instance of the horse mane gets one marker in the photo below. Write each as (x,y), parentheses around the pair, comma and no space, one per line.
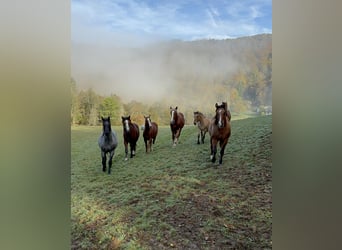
(198,113)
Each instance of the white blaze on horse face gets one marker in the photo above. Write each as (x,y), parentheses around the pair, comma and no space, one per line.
(149,122)
(220,124)
(126,125)
(172,114)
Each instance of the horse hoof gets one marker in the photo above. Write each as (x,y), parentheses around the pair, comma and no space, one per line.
(126,159)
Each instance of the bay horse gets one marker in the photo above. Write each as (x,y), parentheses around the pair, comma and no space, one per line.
(150,133)
(176,124)
(203,125)
(219,130)
(107,143)
(130,135)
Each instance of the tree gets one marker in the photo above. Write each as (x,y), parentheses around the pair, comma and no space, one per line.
(75,106)
(111,106)
(89,101)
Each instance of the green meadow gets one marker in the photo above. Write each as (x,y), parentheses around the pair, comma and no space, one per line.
(174,197)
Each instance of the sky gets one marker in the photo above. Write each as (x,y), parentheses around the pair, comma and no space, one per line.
(106,33)
(134,23)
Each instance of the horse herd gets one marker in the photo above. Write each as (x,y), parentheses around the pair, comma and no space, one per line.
(218,127)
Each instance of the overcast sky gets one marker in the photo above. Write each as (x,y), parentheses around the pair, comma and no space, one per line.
(132,22)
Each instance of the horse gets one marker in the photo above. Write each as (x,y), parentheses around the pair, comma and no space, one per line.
(150,133)
(203,125)
(107,143)
(176,124)
(130,135)
(219,130)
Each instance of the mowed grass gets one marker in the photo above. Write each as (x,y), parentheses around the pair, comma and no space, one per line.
(174,197)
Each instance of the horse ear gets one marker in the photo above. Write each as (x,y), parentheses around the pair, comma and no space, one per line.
(129,117)
(216,105)
(122,118)
(170,107)
(102,118)
(176,107)
(108,118)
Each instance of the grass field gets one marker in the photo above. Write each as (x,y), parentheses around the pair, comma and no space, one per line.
(174,197)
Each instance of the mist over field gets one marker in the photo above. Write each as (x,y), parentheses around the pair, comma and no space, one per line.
(148,74)
(193,75)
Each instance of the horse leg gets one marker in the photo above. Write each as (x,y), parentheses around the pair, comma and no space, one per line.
(145,140)
(213,143)
(132,149)
(223,145)
(173,138)
(126,150)
(111,154)
(150,144)
(178,132)
(103,155)
(198,137)
(203,136)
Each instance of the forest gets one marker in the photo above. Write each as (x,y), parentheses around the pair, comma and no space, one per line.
(192,75)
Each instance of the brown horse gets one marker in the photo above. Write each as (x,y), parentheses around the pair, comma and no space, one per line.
(176,124)
(203,125)
(150,133)
(130,134)
(219,131)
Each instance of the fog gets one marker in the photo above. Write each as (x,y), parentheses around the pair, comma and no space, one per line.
(168,70)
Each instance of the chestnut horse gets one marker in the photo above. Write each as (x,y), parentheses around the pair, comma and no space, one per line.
(219,130)
(130,134)
(203,125)
(150,133)
(107,142)
(176,124)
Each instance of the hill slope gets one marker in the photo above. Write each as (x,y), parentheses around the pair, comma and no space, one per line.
(174,197)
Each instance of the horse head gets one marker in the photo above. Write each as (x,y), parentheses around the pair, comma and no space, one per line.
(221,114)
(126,120)
(196,113)
(106,125)
(173,113)
(148,121)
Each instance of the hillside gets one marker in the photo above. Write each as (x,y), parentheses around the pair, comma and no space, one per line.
(193,75)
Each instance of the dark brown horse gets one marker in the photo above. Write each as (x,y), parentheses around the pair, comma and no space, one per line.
(219,131)
(150,133)
(176,124)
(203,125)
(130,134)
